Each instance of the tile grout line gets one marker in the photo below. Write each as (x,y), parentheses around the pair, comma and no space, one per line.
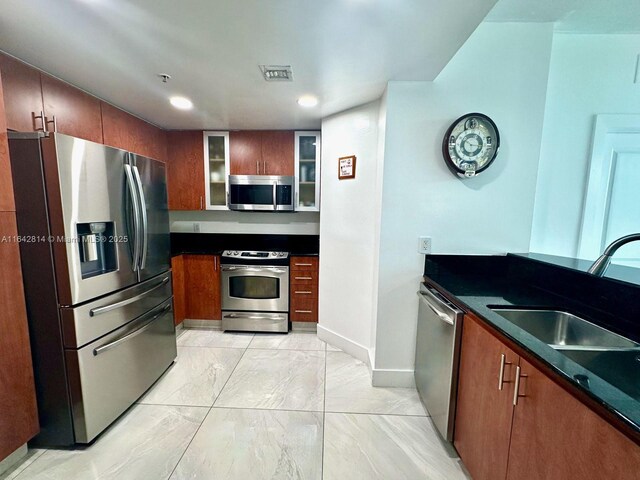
(208,412)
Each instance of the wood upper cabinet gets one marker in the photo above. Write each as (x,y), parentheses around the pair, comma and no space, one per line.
(18,411)
(245,152)
(22,94)
(261,152)
(76,113)
(123,130)
(278,152)
(484,411)
(545,434)
(555,436)
(185,170)
(6,186)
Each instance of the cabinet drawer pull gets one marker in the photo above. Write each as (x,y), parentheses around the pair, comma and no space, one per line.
(501,380)
(303,311)
(516,389)
(303,264)
(303,278)
(302,292)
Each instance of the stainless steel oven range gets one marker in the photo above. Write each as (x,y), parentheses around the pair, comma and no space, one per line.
(255,291)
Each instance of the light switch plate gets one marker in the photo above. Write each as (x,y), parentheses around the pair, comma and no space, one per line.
(424,245)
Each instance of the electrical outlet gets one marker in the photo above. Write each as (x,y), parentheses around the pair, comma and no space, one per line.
(424,245)
(196,227)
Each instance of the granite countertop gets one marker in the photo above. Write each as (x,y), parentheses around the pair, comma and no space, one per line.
(216,243)
(478,292)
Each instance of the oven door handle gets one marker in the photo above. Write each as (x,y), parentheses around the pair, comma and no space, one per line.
(253,269)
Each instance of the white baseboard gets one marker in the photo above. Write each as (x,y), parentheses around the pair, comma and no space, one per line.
(346,345)
(13,459)
(381,377)
(210,324)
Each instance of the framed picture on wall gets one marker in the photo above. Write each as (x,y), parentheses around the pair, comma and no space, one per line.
(347,167)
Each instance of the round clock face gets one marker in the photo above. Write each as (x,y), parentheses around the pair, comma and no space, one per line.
(471,144)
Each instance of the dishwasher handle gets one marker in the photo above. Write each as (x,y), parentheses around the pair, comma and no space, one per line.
(439,305)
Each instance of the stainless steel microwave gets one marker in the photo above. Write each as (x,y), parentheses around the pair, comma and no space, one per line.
(262,193)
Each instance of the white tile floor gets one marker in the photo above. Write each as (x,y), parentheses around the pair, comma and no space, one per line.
(243,406)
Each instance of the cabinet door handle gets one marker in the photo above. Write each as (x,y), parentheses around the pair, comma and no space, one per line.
(42,119)
(303,264)
(303,278)
(53,121)
(501,380)
(302,292)
(516,388)
(264,167)
(257,167)
(201,203)
(303,311)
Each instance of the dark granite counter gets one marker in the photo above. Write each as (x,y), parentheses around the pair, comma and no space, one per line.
(216,243)
(481,282)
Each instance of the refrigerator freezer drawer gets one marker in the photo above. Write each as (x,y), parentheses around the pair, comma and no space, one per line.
(107,376)
(83,324)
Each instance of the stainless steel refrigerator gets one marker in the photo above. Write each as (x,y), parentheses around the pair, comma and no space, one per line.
(94,241)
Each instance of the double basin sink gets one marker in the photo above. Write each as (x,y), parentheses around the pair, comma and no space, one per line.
(613,358)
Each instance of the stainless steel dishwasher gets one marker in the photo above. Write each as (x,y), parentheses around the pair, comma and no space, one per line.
(437,357)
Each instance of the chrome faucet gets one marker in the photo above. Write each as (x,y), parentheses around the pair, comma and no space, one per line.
(602,263)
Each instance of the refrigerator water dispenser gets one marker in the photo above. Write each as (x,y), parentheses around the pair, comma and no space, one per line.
(96,248)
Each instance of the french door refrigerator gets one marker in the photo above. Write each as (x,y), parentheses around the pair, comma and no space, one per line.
(94,240)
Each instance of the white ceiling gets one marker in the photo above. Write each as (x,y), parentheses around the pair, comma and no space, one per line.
(343,51)
(573,16)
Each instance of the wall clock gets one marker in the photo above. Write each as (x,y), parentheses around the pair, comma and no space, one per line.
(470,144)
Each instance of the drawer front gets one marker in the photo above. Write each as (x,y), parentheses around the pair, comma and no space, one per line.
(304,309)
(107,376)
(303,264)
(303,292)
(305,278)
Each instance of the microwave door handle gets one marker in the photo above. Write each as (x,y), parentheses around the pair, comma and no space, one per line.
(144,226)
(275,193)
(136,216)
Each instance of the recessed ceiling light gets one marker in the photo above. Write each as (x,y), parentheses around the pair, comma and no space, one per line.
(308,101)
(181,103)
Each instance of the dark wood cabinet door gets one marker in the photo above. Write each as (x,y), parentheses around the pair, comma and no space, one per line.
(278,152)
(22,94)
(202,287)
(554,435)
(6,186)
(123,130)
(185,170)
(483,413)
(76,113)
(245,153)
(18,411)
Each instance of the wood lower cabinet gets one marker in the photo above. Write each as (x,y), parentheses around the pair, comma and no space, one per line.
(18,411)
(546,434)
(482,440)
(261,152)
(76,113)
(22,94)
(196,287)
(7,203)
(185,170)
(303,289)
(123,130)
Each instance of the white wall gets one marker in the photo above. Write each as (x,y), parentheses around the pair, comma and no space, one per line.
(589,75)
(299,223)
(349,220)
(500,71)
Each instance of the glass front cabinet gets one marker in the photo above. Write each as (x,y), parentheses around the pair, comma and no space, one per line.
(307,171)
(216,169)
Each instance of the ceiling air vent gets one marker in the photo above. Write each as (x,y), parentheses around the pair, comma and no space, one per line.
(277,73)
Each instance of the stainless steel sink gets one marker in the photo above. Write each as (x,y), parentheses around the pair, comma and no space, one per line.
(565,331)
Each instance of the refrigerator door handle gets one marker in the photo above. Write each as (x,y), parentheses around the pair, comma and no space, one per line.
(136,216)
(107,308)
(144,227)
